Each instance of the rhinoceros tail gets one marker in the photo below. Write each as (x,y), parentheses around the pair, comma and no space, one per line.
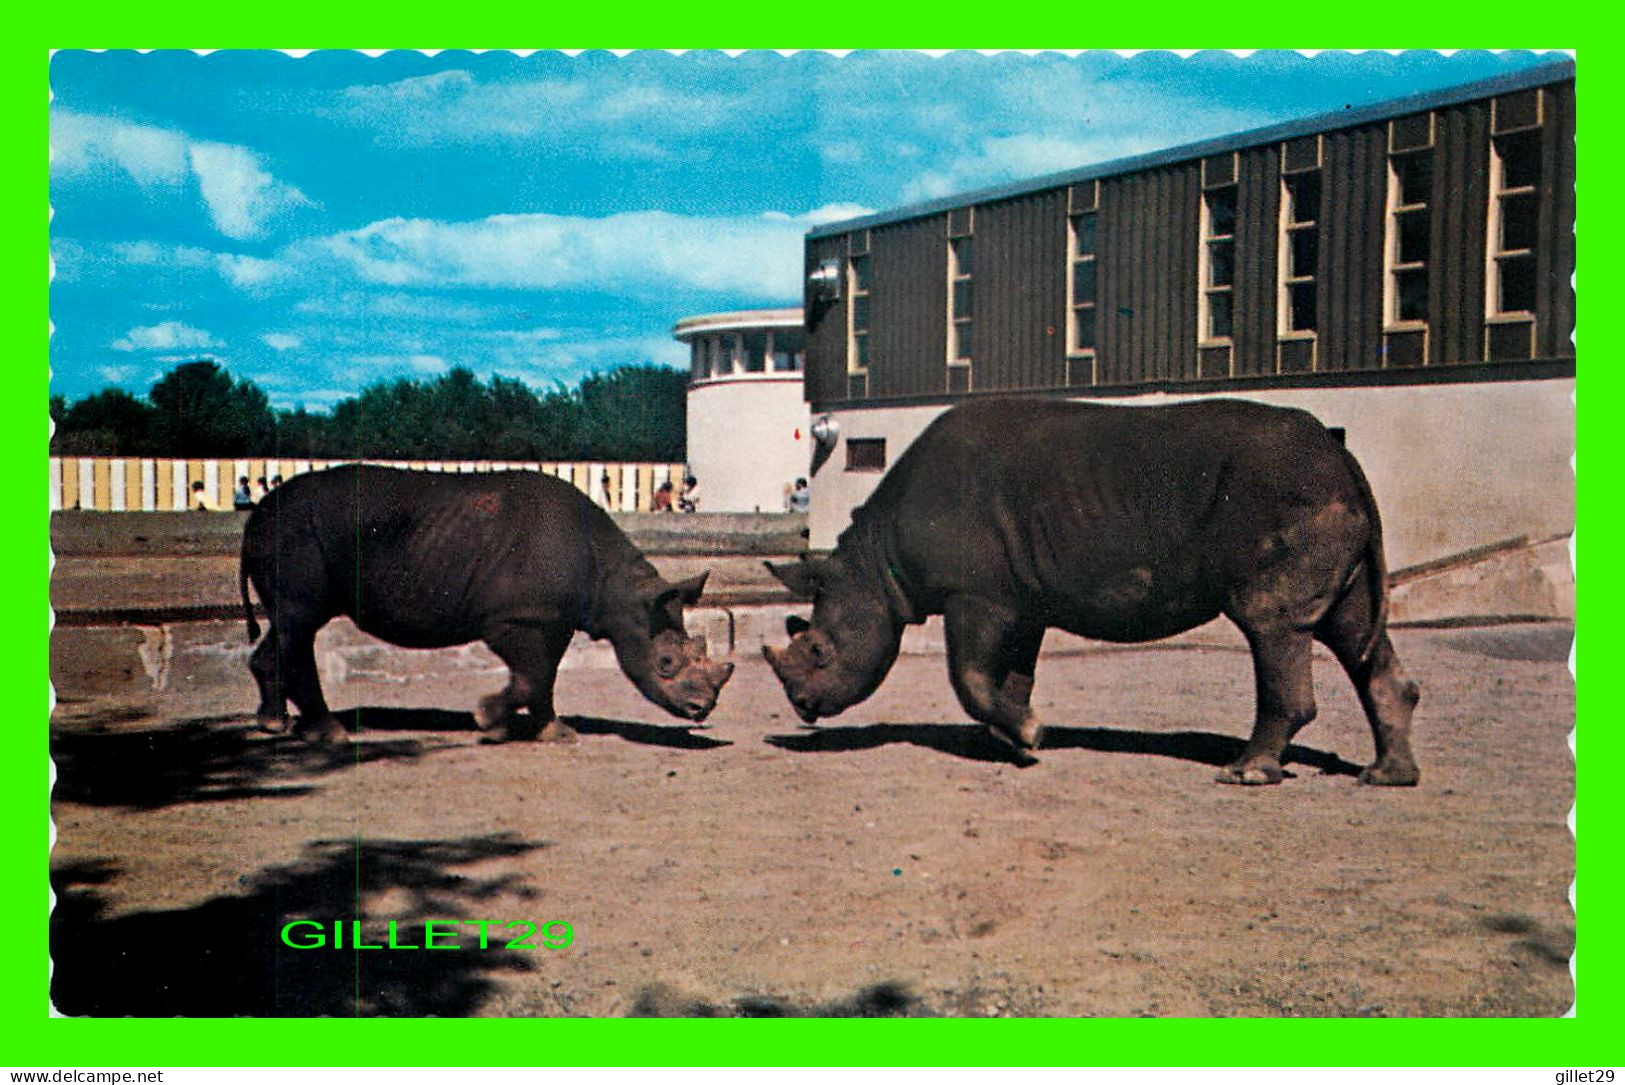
(248,604)
(1376,566)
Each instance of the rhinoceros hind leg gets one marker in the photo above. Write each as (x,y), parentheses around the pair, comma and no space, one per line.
(1386,695)
(1286,704)
(296,665)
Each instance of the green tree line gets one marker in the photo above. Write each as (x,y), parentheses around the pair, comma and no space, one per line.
(631,412)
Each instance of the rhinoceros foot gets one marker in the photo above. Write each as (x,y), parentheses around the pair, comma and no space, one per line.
(325,731)
(273,723)
(1391,773)
(1251,773)
(1021,753)
(556,730)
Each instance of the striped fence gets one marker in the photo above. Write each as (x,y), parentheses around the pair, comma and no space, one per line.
(118,484)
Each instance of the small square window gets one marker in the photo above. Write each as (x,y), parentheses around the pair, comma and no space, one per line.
(1408,133)
(1221,257)
(1083,336)
(1517,284)
(1305,202)
(1520,110)
(1415,173)
(1520,221)
(1413,237)
(1413,294)
(1083,281)
(866,454)
(1218,316)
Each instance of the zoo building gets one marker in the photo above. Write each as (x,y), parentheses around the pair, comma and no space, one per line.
(1403,271)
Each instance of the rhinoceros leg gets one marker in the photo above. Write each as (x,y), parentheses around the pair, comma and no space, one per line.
(532,655)
(296,651)
(273,709)
(1386,695)
(991,656)
(1286,703)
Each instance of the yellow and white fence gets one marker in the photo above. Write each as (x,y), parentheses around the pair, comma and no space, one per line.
(119,484)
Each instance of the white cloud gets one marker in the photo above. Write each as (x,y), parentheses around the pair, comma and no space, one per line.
(281,341)
(242,197)
(756,256)
(239,193)
(170,335)
(117,374)
(623,108)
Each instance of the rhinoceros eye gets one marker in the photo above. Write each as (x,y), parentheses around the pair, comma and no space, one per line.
(668,665)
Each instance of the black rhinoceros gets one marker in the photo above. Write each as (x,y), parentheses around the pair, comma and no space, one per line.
(517,559)
(1010,516)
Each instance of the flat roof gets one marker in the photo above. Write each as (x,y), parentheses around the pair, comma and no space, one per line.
(1538,76)
(737,321)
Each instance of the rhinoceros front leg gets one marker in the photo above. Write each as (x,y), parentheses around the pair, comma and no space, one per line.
(532,655)
(1286,703)
(992,652)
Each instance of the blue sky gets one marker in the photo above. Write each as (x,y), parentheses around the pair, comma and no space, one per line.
(321,223)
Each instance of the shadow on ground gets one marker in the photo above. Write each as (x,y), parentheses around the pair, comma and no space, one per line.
(972,742)
(880,1000)
(677,737)
(225,958)
(199,760)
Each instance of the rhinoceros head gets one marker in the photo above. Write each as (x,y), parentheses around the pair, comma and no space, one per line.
(667,665)
(840,657)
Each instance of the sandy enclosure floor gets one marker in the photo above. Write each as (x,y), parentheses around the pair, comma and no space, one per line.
(889,862)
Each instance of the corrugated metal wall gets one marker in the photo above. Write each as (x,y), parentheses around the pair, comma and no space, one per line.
(1147,251)
(1354,182)
(825,368)
(1258,212)
(1147,245)
(1456,262)
(1018,292)
(908,308)
(1554,296)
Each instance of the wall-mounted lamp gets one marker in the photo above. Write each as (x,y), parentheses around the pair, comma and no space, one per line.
(826,430)
(824,283)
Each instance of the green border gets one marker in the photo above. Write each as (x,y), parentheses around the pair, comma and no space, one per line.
(35,1040)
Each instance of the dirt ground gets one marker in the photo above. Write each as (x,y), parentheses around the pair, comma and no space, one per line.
(890,862)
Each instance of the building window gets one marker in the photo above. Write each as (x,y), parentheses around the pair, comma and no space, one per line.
(1408,240)
(1514,224)
(858,283)
(961,265)
(754,351)
(786,351)
(1298,299)
(1082,285)
(866,454)
(1217,258)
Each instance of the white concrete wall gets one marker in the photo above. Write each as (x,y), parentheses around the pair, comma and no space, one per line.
(1453,466)
(747,439)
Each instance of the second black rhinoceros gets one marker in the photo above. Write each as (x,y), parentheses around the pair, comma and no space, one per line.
(517,559)
(1010,517)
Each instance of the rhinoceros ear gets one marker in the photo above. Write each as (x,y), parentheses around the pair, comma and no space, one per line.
(665,609)
(690,590)
(801,577)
